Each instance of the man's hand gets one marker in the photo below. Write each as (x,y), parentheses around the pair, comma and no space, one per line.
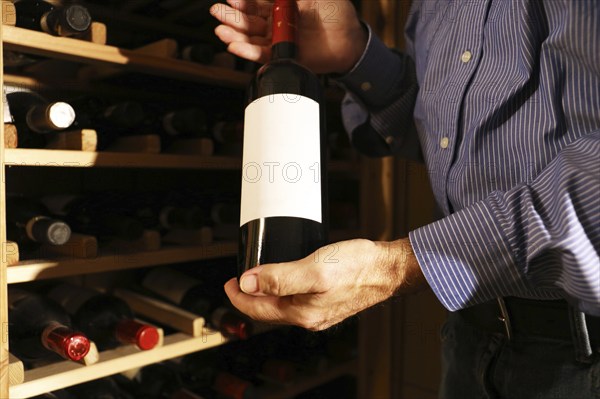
(331,38)
(328,286)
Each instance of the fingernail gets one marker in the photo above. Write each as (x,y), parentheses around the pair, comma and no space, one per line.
(249,284)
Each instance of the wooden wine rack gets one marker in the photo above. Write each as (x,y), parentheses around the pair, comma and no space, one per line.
(64,374)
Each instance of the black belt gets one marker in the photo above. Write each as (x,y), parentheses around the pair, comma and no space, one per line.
(525,317)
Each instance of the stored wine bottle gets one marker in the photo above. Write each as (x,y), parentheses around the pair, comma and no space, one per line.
(203,299)
(189,122)
(283,202)
(101,388)
(106,319)
(203,371)
(228,137)
(34,116)
(28,224)
(180,124)
(70,20)
(40,328)
(94,215)
(201,53)
(109,120)
(159,380)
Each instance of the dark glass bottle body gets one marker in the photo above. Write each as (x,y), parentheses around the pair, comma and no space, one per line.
(110,120)
(282,238)
(28,224)
(100,215)
(71,20)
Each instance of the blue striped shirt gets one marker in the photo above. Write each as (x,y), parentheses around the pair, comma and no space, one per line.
(501,99)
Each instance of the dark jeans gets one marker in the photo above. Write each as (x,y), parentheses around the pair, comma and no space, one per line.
(485,365)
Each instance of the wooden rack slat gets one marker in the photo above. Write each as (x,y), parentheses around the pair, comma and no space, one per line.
(43,269)
(40,43)
(87,159)
(65,374)
(82,159)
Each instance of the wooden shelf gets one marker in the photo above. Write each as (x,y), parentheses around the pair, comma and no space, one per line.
(305,383)
(38,43)
(42,269)
(65,374)
(84,159)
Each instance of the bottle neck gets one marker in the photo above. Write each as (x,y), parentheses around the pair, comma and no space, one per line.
(66,342)
(283,50)
(142,335)
(285,16)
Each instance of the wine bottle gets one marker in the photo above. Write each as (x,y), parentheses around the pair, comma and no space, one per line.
(201,53)
(228,137)
(106,319)
(283,202)
(40,328)
(203,299)
(159,380)
(34,116)
(28,224)
(188,122)
(203,370)
(95,215)
(70,20)
(110,120)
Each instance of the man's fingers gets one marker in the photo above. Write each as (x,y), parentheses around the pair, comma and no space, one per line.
(283,279)
(262,8)
(228,35)
(249,51)
(258,308)
(251,25)
(272,309)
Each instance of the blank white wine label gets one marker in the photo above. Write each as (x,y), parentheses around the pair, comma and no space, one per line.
(281,172)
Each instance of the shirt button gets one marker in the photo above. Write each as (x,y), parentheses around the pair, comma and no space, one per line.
(444,142)
(466,56)
(366,86)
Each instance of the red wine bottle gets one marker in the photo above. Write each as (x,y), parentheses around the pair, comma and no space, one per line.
(28,224)
(203,299)
(34,117)
(95,215)
(106,319)
(70,20)
(40,328)
(283,202)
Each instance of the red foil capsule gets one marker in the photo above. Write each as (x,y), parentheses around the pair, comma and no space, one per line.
(285,17)
(132,332)
(67,343)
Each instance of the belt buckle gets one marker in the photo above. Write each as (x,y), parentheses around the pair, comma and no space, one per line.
(505,318)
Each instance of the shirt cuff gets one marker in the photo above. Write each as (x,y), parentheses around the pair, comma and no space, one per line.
(466,258)
(377,76)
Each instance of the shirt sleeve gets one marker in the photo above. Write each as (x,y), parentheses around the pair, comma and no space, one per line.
(378,107)
(541,239)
